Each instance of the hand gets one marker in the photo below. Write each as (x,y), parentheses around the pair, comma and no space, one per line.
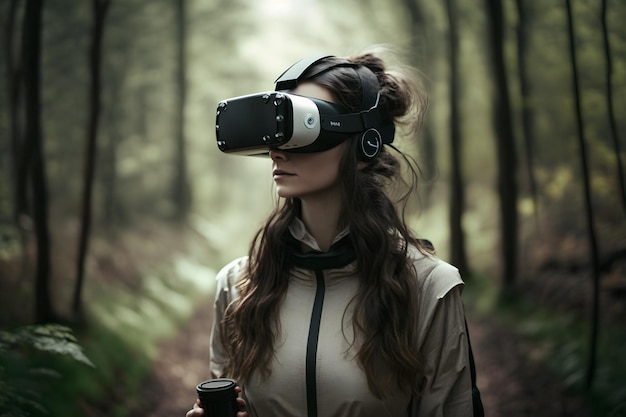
(241,403)
(196,411)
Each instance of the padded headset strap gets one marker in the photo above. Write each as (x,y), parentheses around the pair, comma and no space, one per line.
(369,87)
(288,80)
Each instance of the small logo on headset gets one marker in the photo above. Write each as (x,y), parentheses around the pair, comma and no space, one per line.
(370,143)
(335,123)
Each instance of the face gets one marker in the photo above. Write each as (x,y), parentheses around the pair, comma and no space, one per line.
(307,175)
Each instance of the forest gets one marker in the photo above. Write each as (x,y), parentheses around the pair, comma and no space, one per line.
(117,208)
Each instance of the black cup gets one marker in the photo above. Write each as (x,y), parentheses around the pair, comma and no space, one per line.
(218,397)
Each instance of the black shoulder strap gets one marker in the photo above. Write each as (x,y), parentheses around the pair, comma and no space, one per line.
(477,403)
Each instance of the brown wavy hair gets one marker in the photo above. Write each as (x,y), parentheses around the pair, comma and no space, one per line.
(374,198)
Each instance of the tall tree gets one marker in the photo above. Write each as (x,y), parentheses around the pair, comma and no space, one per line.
(457,195)
(528,129)
(113,210)
(31,55)
(593,241)
(505,148)
(100,8)
(13,89)
(181,190)
(609,103)
(21,154)
(421,46)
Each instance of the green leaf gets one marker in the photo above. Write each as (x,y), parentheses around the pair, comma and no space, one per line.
(50,338)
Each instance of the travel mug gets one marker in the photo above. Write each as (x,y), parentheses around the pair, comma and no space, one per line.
(218,397)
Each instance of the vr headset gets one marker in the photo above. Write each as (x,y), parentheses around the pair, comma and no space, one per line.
(256,123)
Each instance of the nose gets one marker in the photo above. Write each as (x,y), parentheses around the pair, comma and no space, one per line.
(277,154)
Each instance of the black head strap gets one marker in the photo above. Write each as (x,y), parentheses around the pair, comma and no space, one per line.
(288,80)
(369,87)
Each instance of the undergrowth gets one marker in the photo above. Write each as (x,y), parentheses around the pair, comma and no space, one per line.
(564,343)
(127,317)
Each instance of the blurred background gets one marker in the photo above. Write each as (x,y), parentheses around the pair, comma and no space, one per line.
(117,209)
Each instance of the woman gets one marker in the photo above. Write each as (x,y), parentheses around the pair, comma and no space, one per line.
(339,310)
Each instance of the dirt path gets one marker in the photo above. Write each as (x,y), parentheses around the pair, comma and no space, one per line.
(183,363)
(511,384)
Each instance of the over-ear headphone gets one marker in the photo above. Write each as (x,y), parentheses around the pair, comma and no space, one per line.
(370,144)
(371,141)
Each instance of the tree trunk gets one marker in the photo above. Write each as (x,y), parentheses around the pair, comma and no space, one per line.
(31,53)
(609,104)
(528,128)
(593,242)
(13,89)
(458,255)
(181,190)
(421,45)
(99,12)
(505,147)
(21,154)
(113,213)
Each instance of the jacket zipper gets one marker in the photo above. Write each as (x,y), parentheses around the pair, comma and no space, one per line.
(311,348)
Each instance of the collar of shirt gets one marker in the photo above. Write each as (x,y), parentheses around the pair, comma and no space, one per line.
(298,230)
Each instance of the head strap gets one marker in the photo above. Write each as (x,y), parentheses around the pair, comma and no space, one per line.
(288,80)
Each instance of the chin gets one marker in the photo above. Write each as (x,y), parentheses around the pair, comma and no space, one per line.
(288,195)
(285,193)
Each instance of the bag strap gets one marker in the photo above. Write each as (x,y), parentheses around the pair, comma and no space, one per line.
(477,403)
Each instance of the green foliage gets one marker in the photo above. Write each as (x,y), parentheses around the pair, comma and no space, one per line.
(20,377)
(49,338)
(565,341)
(111,385)
(152,280)
(15,402)
(44,372)
(126,323)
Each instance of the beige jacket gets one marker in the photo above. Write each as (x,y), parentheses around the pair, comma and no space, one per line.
(314,373)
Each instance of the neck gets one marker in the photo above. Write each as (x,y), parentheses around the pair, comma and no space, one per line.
(321,218)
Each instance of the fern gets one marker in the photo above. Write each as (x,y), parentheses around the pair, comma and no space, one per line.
(49,338)
(13,404)
(53,339)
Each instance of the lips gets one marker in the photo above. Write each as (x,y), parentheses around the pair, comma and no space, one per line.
(279,173)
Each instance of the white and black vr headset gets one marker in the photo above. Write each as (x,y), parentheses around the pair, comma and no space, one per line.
(256,123)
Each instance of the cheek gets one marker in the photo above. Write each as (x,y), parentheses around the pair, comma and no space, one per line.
(326,171)
(333,173)
(325,179)
(317,176)
(331,161)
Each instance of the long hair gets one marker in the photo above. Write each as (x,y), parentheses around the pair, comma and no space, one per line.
(385,310)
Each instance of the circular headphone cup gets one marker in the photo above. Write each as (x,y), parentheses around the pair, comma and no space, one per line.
(370,144)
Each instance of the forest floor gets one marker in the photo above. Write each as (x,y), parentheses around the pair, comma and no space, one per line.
(511,384)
